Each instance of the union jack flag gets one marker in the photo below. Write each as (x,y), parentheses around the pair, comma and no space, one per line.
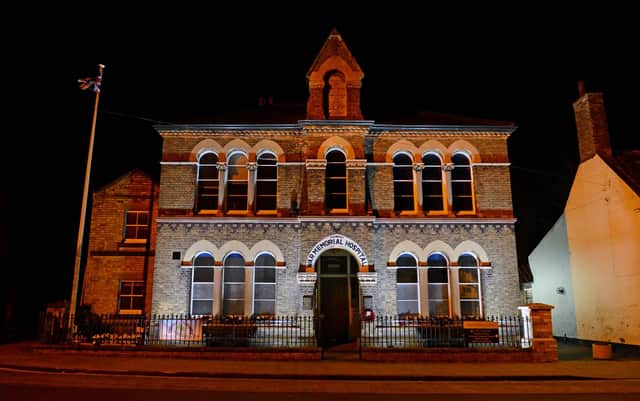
(92,83)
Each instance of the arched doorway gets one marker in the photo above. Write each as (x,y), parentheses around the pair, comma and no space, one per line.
(337,294)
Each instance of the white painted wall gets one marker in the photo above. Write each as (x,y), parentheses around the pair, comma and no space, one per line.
(603,231)
(550,265)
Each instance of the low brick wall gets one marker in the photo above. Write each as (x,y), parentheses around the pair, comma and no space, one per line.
(448,355)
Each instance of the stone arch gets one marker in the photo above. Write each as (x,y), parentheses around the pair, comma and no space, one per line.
(466,148)
(203,146)
(234,247)
(237,144)
(266,246)
(440,247)
(472,247)
(433,146)
(407,246)
(336,142)
(401,145)
(338,241)
(271,146)
(201,246)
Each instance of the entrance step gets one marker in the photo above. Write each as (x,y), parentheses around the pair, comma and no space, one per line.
(342,352)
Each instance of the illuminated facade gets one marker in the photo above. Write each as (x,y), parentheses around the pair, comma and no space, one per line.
(330,214)
(588,264)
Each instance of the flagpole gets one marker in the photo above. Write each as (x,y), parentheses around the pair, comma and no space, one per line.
(83,212)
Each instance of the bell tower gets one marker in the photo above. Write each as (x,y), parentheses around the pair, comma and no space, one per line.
(334,80)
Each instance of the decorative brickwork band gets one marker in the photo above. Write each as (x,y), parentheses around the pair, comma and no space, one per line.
(357,164)
(316,164)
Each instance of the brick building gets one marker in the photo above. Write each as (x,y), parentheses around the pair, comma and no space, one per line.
(321,213)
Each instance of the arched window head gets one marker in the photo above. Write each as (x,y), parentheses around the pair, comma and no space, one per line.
(407,285)
(403,199)
(237,182)
(264,298)
(335,95)
(202,284)
(336,181)
(462,183)
(432,190)
(208,182)
(233,289)
(469,286)
(267,182)
(438,285)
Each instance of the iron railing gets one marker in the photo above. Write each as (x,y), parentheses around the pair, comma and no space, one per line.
(280,331)
(425,332)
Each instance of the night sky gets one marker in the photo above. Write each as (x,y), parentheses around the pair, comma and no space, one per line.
(168,63)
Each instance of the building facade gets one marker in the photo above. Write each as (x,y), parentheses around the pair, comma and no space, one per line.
(588,264)
(333,214)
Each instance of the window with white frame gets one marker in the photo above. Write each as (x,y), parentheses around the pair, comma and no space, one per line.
(208,182)
(407,285)
(267,182)
(202,284)
(264,285)
(336,181)
(233,289)
(403,199)
(136,227)
(469,286)
(131,297)
(438,285)
(432,189)
(461,183)
(237,182)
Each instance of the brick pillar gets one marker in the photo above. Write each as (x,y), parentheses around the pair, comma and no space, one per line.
(356,186)
(316,169)
(545,348)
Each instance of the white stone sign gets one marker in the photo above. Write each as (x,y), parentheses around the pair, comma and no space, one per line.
(337,241)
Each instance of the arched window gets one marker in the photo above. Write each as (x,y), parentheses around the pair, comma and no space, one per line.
(407,281)
(233,289)
(237,182)
(207,182)
(264,289)
(267,182)
(461,183)
(438,287)
(336,181)
(202,285)
(432,199)
(403,183)
(469,286)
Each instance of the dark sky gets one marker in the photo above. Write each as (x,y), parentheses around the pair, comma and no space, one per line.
(164,63)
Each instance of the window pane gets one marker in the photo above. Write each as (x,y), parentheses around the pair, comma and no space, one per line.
(234,291)
(337,202)
(432,188)
(438,291)
(460,159)
(208,173)
(265,275)
(336,170)
(202,274)
(407,307)
(265,291)
(126,288)
(234,275)
(130,232)
(202,307)
(202,291)
(462,203)
(431,159)
(337,186)
(407,275)
(467,260)
(436,259)
(264,307)
(138,288)
(402,160)
(469,291)
(209,158)
(335,156)
(433,203)
(407,291)
(267,172)
(461,188)
(403,173)
(204,259)
(437,275)
(265,260)
(230,307)
(137,303)
(266,187)
(468,275)
(268,202)
(406,261)
(432,174)
(470,308)
(438,308)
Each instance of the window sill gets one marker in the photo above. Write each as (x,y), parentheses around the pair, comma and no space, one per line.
(266,212)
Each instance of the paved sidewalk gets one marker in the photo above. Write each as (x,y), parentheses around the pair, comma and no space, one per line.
(34,356)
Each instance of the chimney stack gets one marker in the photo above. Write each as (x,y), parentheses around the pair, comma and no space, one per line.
(591,124)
